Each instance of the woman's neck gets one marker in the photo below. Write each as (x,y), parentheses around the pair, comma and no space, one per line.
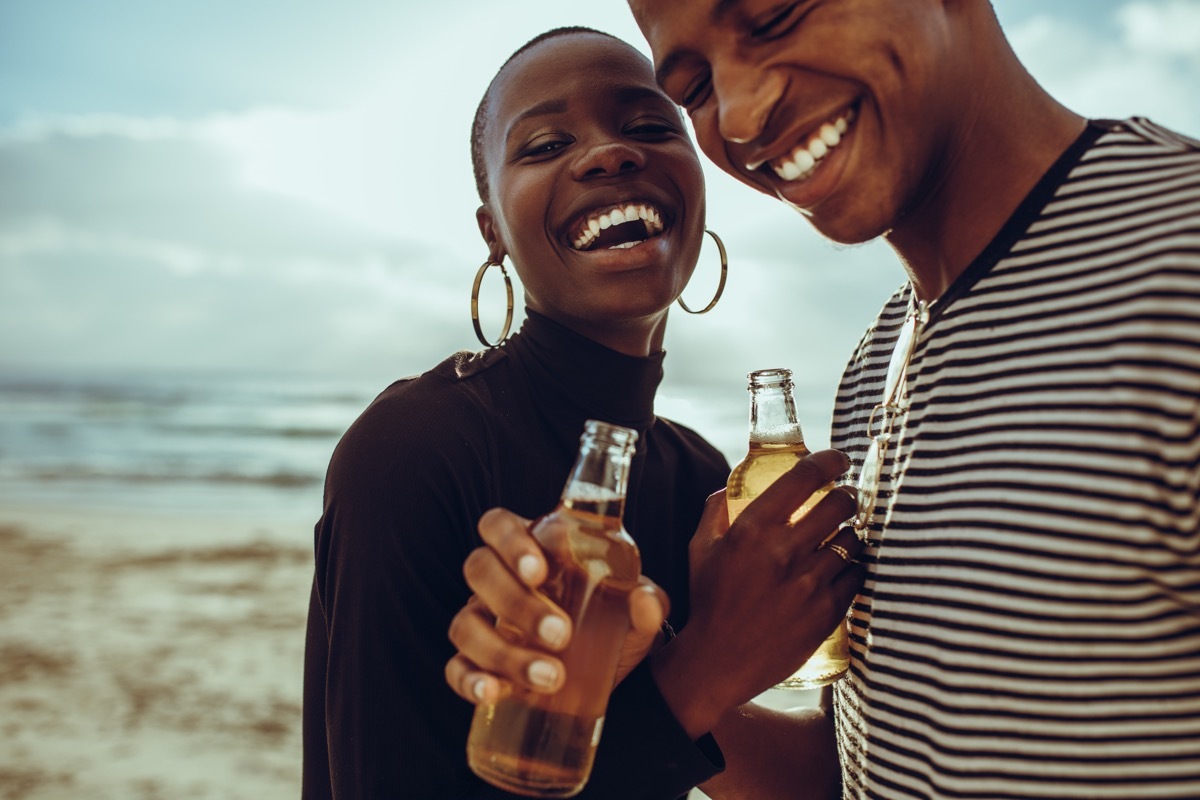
(632,337)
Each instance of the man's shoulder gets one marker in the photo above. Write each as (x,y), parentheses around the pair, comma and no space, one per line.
(1160,135)
(1152,150)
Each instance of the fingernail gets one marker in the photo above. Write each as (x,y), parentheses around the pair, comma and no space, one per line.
(543,673)
(527,567)
(479,688)
(553,631)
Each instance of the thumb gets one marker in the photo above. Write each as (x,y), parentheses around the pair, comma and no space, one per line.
(714,522)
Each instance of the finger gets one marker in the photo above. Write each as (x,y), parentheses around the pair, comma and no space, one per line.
(483,646)
(648,607)
(521,607)
(779,501)
(823,521)
(847,583)
(714,521)
(473,685)
(840,551)
(508,534)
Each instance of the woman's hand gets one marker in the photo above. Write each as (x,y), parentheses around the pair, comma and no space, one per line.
(505,575)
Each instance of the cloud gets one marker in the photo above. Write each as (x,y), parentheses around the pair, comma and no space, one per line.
(1151,68)
(318,212)
(1162,29)
(137,243)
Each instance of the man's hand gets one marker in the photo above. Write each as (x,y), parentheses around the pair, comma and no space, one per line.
(765,593)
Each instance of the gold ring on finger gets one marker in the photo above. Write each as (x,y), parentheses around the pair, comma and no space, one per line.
(842,552)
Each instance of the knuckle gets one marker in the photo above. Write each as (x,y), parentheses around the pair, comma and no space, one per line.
(475,565)
(843,499)
(809,470)
(453,672)
(456,632)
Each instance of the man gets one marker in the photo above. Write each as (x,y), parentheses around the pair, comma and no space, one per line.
(1030,623)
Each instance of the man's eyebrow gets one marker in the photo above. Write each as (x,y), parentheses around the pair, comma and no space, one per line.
(542,109)
(716,15)
(633,94)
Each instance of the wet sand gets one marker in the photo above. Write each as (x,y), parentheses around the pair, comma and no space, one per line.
(145,658)
(155,658)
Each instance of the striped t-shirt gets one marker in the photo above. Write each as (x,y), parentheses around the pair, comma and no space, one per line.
(1030,626)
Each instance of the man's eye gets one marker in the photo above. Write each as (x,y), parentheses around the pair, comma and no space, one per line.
(696,92)
(651,128)
(776,23)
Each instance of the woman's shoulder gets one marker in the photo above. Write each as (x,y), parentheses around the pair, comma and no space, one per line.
(689,445)
(456,391)
(446,409)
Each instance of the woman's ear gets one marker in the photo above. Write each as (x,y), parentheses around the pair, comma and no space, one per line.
(487,229)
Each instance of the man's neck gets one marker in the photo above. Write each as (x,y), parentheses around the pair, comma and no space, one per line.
(1010,134)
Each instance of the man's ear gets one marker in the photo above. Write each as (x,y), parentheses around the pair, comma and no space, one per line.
(487,228)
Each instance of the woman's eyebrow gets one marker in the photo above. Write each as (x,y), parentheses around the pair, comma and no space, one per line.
(542,109)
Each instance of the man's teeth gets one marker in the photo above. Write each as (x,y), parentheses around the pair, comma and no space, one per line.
(619,215)
(803,160)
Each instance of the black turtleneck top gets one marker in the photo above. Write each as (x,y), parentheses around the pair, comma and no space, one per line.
(405,488)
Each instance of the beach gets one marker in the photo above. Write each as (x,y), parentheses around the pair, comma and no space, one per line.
(156,534)
(145,657)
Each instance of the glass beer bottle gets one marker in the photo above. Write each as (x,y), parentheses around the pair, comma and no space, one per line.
(543,745)
(776,445)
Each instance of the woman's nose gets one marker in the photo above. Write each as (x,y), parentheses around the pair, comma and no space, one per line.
(609,158)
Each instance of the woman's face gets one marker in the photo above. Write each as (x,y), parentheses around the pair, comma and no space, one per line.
(595,191)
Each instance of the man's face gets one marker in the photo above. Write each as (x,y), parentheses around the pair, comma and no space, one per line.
(841,108)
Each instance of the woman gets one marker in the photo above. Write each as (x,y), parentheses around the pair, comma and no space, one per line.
(548,173)
(556,151)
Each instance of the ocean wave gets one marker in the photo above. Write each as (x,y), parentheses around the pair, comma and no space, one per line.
(281,479)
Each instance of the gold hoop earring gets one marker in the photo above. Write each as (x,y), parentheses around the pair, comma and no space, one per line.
(720,286)
(475,303)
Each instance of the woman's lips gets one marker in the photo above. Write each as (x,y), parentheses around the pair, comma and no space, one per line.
(619,226)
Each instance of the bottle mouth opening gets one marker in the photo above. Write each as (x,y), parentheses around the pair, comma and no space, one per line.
(776,376)
(607,432)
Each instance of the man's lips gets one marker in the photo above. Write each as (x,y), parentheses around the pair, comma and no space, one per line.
(803,159)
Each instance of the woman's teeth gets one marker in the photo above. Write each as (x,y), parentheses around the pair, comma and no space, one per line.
(598,221)
(803,160)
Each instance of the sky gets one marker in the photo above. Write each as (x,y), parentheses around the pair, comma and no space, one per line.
(285,187)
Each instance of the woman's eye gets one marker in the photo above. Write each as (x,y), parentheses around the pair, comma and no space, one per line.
(543,147)
(778,22)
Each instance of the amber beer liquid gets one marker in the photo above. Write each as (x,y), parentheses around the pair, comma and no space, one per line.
(776,445)
(543,745)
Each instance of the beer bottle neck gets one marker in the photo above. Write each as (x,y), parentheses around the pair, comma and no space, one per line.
(773,417)
(600,478)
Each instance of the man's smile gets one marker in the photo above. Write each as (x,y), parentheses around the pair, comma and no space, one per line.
(803,160)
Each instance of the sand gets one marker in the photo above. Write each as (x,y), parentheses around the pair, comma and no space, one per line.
(145,657)
(156,658)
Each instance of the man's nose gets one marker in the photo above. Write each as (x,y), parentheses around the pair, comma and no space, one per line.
(745,98)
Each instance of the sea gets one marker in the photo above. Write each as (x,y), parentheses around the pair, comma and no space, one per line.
(215,444)
(250,446)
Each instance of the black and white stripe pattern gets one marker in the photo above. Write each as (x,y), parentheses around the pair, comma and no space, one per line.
(1031,623)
